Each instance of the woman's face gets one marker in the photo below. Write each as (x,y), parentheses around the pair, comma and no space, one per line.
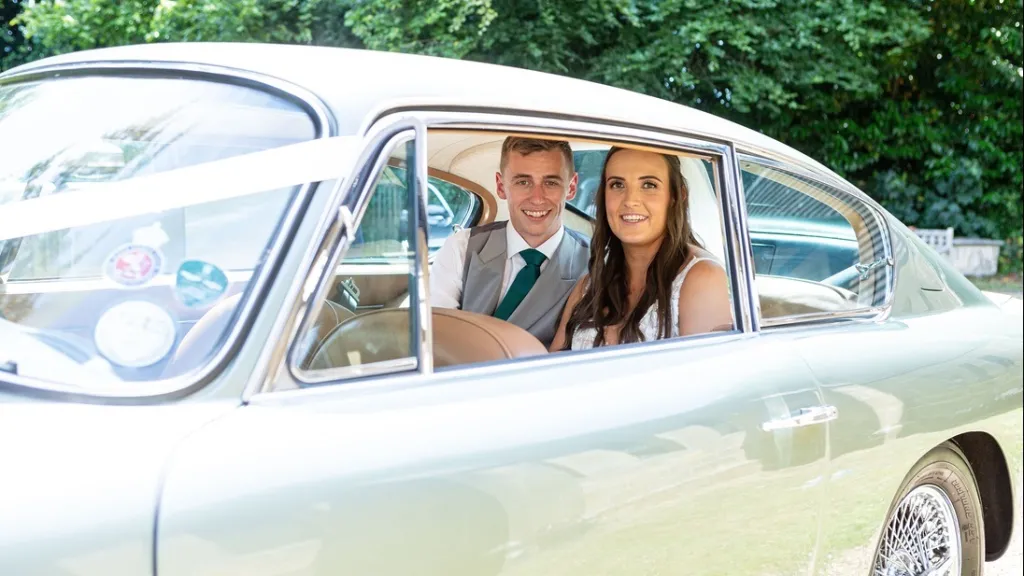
(637,197)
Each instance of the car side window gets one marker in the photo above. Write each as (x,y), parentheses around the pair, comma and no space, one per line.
(365,322)
(816,250)
(449,208)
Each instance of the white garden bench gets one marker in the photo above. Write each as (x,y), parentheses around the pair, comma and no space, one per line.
(941,239)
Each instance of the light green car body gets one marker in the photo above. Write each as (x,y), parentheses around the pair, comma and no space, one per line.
(648,460)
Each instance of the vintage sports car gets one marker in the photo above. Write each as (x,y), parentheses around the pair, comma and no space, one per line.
(218,353)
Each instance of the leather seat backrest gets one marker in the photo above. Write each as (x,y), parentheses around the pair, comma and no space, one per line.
(780,297)
(209,329)
(459,338)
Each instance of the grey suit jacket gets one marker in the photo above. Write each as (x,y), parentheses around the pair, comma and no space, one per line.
(541,310)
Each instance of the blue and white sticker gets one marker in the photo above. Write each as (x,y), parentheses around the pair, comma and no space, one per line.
(199,283)
(133,265)
(135,334)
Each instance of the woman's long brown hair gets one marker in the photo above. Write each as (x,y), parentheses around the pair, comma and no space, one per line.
(605,300)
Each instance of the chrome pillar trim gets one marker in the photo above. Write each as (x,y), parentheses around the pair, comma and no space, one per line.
(735,206)
(183,385)
(347,204)
(421,321)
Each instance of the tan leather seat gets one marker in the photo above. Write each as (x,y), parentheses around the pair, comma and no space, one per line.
(459,338)
(209,329)
(780,296)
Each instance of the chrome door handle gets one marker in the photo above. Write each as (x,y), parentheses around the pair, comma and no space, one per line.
(803,417)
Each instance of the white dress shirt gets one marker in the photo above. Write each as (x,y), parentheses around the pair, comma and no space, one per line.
(450,261)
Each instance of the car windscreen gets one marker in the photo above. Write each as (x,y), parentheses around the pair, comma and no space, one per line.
(118,239)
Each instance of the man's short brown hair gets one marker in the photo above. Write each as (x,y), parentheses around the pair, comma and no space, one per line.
(527,146)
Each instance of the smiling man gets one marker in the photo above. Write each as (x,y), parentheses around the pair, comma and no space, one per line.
(521,273)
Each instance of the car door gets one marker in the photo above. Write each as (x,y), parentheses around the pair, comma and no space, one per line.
(908,366)
(694,456)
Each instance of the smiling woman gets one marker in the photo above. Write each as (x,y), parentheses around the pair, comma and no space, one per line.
(644,251)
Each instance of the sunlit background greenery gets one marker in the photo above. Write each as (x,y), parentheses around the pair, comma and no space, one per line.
(918,102)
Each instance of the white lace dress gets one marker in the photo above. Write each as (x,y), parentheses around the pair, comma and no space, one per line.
(650,326)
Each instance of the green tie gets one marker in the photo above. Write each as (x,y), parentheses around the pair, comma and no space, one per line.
(525,280)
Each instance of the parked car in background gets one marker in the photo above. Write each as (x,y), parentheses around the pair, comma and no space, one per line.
(218,354)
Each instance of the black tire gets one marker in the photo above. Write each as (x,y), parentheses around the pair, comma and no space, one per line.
(946,468)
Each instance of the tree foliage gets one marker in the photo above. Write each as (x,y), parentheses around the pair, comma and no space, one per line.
(919,102)
(11,39)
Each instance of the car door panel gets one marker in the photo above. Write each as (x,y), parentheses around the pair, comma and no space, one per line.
(604,465)
(896,385)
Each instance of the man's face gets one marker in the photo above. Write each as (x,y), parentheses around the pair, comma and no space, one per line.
(536,187)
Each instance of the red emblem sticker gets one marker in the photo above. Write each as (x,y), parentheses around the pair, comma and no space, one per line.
(133,264)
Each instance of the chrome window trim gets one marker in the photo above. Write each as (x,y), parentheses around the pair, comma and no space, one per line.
(730,203)
(463,110)
(324,126)
(876,313)
(284,378)
(335,219)
(570,129)
(409,379)
(384,367)
(346,207)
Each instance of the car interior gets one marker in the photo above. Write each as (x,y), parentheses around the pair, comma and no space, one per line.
(366,319)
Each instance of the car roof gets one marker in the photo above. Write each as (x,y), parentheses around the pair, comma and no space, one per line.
(356,83)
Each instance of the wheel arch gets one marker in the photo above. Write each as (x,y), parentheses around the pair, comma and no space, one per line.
(991,473)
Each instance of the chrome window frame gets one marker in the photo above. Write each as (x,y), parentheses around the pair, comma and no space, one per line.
(844,192)
(164,389)
(352,197)
(284,378)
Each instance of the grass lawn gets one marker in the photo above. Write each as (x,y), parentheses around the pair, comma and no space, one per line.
(1004,284)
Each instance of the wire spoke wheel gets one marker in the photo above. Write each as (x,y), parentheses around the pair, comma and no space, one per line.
(935,526)
(922,538)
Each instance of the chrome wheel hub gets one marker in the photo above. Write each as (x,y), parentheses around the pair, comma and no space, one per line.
(922,537)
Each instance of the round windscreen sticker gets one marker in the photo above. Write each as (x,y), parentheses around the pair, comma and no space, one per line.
(135,333)
(133,264)
(199,283)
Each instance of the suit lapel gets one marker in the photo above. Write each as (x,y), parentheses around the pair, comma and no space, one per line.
(483,282)
(554,283)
